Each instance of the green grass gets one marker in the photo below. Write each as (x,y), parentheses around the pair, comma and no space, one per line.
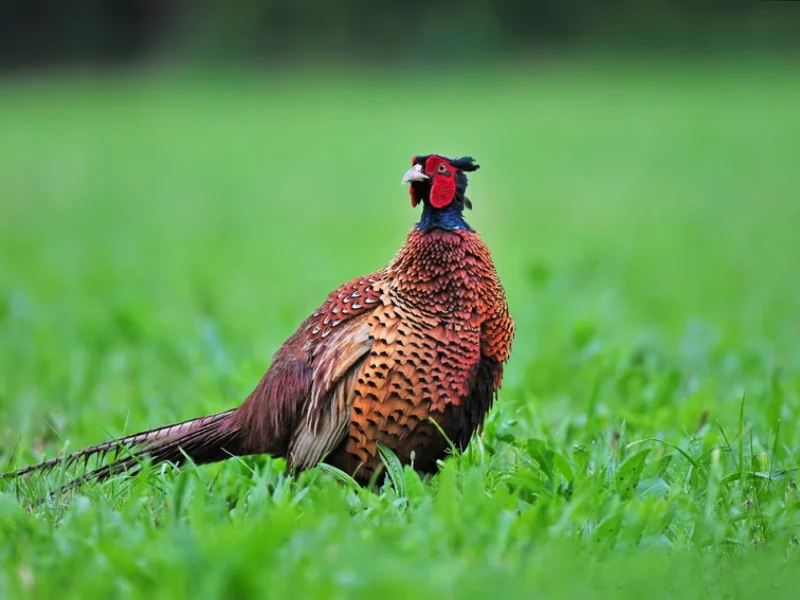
(159,238)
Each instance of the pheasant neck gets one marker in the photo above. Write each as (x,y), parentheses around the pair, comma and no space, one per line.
(442,272)
(448,218)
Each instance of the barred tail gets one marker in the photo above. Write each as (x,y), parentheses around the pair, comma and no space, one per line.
(204,440)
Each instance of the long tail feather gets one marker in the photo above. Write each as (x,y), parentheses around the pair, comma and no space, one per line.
(203,440)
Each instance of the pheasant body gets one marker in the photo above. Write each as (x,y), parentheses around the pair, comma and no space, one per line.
(423,339)
(438,298)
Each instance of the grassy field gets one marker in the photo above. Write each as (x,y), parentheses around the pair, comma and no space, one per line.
(160,237)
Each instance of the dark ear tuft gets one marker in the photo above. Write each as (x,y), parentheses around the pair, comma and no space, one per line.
(465,163)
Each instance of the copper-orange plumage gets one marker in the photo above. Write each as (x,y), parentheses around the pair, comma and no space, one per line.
(423,339)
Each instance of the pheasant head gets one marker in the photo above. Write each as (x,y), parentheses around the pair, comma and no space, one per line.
(440,183)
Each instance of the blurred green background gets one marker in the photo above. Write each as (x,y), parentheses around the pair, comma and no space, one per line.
(181,184)
(449,33)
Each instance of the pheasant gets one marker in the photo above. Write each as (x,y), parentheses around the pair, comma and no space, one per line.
(410,356)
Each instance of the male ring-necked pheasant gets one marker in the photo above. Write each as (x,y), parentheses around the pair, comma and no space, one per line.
(423,338)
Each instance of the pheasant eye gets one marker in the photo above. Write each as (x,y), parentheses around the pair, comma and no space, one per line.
(442,168)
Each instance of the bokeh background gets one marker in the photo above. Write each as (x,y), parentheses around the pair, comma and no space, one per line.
(181,183)
(449,34)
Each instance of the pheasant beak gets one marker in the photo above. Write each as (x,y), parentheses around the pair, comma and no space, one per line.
(414,174)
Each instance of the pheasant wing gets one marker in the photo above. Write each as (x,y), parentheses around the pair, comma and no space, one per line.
(300,408)
(326,416)
(338,341)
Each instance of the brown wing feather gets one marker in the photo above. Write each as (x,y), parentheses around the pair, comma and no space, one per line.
(336,365)
(295,393)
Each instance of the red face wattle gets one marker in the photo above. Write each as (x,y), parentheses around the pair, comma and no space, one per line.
(436,176)
(443,188)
